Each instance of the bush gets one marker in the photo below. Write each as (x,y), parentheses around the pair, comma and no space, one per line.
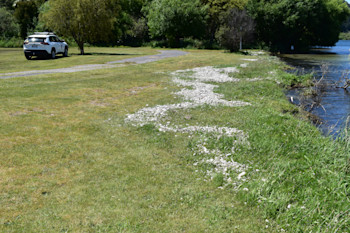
(14,42)
(176,19)
(344,36)
(8,25)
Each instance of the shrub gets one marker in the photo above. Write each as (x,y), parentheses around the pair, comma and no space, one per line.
(8,25)
(14,42)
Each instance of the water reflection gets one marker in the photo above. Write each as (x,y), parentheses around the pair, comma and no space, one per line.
(335,102)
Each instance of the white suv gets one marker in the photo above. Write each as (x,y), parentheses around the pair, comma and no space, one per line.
(44,44)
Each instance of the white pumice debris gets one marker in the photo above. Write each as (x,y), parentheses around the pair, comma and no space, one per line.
(256,53)
(224,166)
(253,79)
(197,93)
(250,59)
(200,93)
(208,74)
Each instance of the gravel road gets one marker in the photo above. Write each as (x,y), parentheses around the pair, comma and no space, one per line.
(136,60)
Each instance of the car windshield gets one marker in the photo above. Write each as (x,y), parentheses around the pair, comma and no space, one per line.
(35,39)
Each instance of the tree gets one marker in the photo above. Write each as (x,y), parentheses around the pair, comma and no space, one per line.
(299,24)
(26,12)
(237,26)
(83,20)
(131,26)
(175,19)
(8,4)
(217,9)
(346,24)
(8,25)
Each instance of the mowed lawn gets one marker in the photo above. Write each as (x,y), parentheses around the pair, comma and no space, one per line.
(70,163)
(13,60)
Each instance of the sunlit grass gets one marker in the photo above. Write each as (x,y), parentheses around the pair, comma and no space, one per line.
(70,163)
(13,60)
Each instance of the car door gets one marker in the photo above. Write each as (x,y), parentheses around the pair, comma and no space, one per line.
(59,45)
(53,43)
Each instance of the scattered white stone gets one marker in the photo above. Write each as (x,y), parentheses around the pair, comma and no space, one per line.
(253,79)
(208,74)
(239,177)
(250,59)
(257,53)
(197,93)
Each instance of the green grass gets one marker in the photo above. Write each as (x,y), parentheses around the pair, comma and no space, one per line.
(13,60)
(70,163)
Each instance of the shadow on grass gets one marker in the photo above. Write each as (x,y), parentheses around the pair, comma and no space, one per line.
(45,58)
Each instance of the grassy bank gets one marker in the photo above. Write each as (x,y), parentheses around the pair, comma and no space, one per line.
(71,163)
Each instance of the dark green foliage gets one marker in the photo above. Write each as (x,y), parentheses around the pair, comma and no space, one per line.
(176,19)
(8,25)
(83,20)
(25,13)
(285,24)
(7,4)
(237,26)
(216,10)
(346,24)
(344,36)
(13,42)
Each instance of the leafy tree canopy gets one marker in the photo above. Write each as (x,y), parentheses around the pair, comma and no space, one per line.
(216,7)
(83,20)
(282,24)
(26,13)
(174,19)
(8,4)
(236,26)
(8,25)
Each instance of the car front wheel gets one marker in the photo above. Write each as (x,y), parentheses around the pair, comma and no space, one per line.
(65,54)
(53,54)
(29,57)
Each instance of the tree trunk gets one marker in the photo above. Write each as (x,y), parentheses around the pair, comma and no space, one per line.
(81,47)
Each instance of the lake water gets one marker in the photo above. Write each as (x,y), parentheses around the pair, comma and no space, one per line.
(335,102)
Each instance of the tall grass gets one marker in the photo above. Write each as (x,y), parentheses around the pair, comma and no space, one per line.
(299,177)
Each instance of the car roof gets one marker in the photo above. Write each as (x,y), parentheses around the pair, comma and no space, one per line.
(42,34)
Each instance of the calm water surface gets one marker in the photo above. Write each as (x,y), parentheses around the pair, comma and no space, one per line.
(335,101)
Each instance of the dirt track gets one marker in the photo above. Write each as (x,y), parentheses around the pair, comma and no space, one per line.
(136,60)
